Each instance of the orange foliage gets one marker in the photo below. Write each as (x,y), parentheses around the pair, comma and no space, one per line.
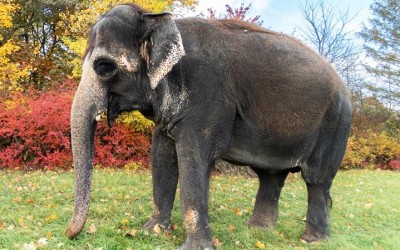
(371,150)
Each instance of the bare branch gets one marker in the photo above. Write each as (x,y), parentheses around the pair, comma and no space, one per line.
(325,30)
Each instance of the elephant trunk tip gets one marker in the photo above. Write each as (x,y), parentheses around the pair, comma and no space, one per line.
(73,229)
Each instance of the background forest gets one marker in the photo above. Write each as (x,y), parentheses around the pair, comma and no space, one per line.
(41,48)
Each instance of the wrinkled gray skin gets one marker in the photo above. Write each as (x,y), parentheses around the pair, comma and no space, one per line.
(216,89)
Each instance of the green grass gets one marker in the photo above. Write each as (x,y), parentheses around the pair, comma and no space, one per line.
(36,206)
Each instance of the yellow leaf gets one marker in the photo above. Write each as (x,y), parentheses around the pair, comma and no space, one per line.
(21,222)
(260,245)
(157,229)
(51,217)
(48,235)
(132,233)
(232,228)
(17,199)
(124,222)
(92,229)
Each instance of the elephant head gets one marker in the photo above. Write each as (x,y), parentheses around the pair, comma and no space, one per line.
(129,53)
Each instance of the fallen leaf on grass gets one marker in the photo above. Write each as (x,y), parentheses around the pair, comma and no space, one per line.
(29,201)
(232,228)
(51,217)
(21,222)
(29,246)
(368,205)
(131,233)
(260,245)
(17,199)
(124,222)
(217,242)
(237,211)
(157,229)
(92,229)
(41,242)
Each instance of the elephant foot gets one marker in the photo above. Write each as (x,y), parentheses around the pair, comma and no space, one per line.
(165,226)
(309,237)
(197,245)
(200,239)
(261,222)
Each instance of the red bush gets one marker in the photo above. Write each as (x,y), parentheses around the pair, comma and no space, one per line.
(35,134)
(394,165)
(120,145)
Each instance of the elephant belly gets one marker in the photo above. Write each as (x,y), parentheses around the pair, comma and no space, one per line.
(260,158)
(267,151)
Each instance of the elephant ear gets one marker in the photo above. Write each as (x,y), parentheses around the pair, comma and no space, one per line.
(161,46)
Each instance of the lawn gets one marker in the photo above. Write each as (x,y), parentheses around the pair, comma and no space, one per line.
(35,208)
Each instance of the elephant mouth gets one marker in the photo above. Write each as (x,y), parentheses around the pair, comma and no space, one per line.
(117,105)
(112,110)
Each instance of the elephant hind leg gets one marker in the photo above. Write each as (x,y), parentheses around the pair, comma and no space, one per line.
(265,214)
(321,168)
(317,222)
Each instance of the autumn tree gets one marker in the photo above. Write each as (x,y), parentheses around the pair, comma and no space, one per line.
(10,72)
(241,13)
(36,31)
(382,43)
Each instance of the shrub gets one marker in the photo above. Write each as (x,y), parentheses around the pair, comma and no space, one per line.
(391,127)
(372,150)
(120,145)
(35,133)
(394,165)
(137,120)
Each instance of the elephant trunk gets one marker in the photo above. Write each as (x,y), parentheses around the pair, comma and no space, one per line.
(89,102)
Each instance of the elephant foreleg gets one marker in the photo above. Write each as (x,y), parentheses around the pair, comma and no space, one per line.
(194,187)
(265,214)
(165,175)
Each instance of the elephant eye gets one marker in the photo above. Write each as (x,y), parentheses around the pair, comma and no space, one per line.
(105,68)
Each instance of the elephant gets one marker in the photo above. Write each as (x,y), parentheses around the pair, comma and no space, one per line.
(216,90)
